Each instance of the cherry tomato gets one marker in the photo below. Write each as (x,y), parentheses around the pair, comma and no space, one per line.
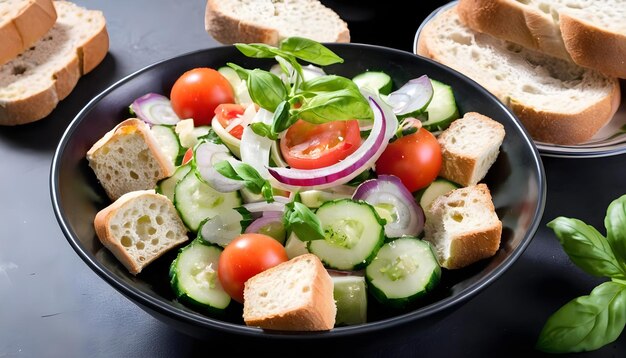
(313,146)
(246,256)
(197,92)
(188,156)
(415,159)
(225,113)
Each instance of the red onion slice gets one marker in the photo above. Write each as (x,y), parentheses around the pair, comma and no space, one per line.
(206,155)
(389,194)
(385,124)
(412,96)
(154,108)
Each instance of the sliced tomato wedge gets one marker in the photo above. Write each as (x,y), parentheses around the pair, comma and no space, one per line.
(313,146)
(226,113)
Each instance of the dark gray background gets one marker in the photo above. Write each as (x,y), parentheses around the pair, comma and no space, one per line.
(53,305)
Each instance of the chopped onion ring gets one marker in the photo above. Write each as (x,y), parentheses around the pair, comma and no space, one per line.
(412,96)
(206,155)
(154,108)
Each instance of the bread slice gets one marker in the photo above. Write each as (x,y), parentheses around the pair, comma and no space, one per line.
(22,23)
(557,101)
(128,158)
(296,295)
(32,84)
(591,33)
(469,147)
(270,21)
(463,226)
(139,227)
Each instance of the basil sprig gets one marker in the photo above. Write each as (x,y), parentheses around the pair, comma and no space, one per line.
(319,100)
(590,322)
(302,221)
(252,180)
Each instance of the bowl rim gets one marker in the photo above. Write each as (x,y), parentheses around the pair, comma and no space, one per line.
(158,305)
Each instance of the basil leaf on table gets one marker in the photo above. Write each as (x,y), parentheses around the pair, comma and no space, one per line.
(587,322)
(301,220)
(590,322)
(310,51)
(587,248)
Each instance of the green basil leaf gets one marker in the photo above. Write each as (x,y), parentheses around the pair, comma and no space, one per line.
(253,181)
(256,50)
(212,137)
(281,121)
(339,105)
(242,72)
(266,89)
(310,51)
(587,248)
(615,223)
(328,83)
(301,220)
(225,168)
(586,323)
(264,130)
(289,64)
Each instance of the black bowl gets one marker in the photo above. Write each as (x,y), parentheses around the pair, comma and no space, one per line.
(517,182)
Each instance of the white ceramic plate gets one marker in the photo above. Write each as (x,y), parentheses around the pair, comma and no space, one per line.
(610,140)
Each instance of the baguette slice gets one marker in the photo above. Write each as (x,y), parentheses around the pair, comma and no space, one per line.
(270,21)
(296,295)
(128,158)
(592,33)
(33,83)
(22,23)
(139,227)
(557,101)
(469,147)
(463,226)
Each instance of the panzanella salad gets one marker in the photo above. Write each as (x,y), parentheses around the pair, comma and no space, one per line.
(339,167)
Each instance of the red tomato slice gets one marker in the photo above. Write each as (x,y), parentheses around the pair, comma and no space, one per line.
(313,146)
(197,92)
(246,256)
(415,159)
(188,156)
(225,113)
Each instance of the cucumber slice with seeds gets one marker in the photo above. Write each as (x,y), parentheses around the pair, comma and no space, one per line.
(442,109)
(167,186)
(374,80)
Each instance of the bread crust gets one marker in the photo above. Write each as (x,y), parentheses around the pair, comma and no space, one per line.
(317,315)
(228,29)
(473,247)
(21,32)
(594,47)
(38,105)
(572,38)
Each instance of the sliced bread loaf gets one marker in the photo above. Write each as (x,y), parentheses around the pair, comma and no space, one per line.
(469,146)
(463,226)
(22,23)
(592,33)
(296,295)
(557,101)
(32,84)
(139,227)
(128,158)
(270,21)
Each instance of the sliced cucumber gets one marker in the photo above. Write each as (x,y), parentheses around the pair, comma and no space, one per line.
(295,247)
(374,80)
(239,86)
(315,198)
(167,186)
(223,228)
(168,142)
(404,270)
(353,234)
(351,298)
(195,200)
(442,109)
(438,187)
(194,279)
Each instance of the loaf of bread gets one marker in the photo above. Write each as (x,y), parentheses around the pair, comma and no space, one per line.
(22,23)
(469,147)
(591,33)
(463,226)
(139,227)
(128,158)
(296,295)
(270,21)
(557,101)
(33,83)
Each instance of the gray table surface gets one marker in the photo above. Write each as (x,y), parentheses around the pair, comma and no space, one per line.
(53,305)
